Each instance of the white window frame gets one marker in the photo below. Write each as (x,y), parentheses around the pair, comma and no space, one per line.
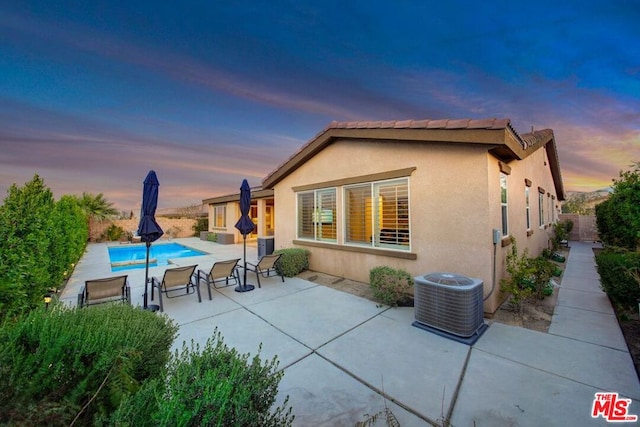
(321,215)
(216,213)
(541,209)
(504,204)
(527,204)
(402,234)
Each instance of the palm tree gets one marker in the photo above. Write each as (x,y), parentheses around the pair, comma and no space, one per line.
(96,207)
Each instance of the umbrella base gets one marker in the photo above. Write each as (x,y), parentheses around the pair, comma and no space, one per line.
(245,288)
(152,308)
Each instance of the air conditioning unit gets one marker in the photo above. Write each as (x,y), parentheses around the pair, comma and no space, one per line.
(450,303)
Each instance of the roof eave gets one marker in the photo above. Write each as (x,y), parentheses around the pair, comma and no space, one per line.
(491,137)
(261,193)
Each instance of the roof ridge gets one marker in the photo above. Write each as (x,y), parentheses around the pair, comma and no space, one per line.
(449,124)
(467,123)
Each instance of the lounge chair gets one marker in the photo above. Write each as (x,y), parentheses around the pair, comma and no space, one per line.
(221,271)
(265,267)
(175,279)
(104,290)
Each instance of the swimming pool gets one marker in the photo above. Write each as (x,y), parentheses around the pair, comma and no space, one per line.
(134,256)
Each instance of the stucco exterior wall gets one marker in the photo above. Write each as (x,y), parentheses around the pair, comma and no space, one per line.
(231,217)
(449,208)
(535,170)
(454,195)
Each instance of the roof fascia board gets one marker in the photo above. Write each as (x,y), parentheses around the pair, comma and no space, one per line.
(255,195)
(490,137)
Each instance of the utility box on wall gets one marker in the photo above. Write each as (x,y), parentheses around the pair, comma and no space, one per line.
(265,246)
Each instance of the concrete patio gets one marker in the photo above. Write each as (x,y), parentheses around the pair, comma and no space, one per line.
(343,355)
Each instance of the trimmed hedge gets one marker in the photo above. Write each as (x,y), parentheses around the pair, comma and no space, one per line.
(40,242)
(390,286)
(293,261)
(66,363)
(614,268)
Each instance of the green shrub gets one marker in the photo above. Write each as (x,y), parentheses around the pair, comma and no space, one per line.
(213,387)
(541,273)
(212,237)
(62,363)
(557,271)
(561,232)
(40,240)
(390,286)
(113,233)
(519,283)
(618,217)
(201,224)
(615,268)
(528,277)
(293,261)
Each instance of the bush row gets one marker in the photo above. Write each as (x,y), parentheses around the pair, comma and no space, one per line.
(616,269)
(40,241)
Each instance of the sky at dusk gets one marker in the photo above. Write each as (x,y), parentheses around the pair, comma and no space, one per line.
(94,94)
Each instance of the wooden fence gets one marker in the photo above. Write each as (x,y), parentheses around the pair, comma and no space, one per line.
(584,227)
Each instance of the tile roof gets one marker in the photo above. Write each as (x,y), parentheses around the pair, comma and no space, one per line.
(424,124)
(528,142)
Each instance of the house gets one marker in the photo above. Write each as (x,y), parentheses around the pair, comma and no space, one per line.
(425,196)
(224,212)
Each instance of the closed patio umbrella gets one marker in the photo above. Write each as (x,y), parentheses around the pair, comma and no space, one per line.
(148,229)
(245,226)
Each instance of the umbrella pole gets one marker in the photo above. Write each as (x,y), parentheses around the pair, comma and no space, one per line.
(244,238)
(243,287)
(146,276)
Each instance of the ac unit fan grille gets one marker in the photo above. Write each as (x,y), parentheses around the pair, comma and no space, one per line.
(453,308)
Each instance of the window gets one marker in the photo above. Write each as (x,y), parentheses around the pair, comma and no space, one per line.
(527,207)
(317,215)
(550,209)
(220,216)
(377,214)
(541,208)
(503,204)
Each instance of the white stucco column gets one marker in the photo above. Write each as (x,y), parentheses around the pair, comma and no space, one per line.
(262,231)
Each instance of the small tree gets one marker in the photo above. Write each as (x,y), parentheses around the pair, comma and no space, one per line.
(40,240)
(561,232)
(96,206)
(201,224)
(618,218)
(25,243)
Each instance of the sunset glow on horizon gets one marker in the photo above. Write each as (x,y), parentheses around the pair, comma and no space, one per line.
(94,95)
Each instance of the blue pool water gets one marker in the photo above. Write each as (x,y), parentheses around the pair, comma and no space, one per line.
(134,256)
